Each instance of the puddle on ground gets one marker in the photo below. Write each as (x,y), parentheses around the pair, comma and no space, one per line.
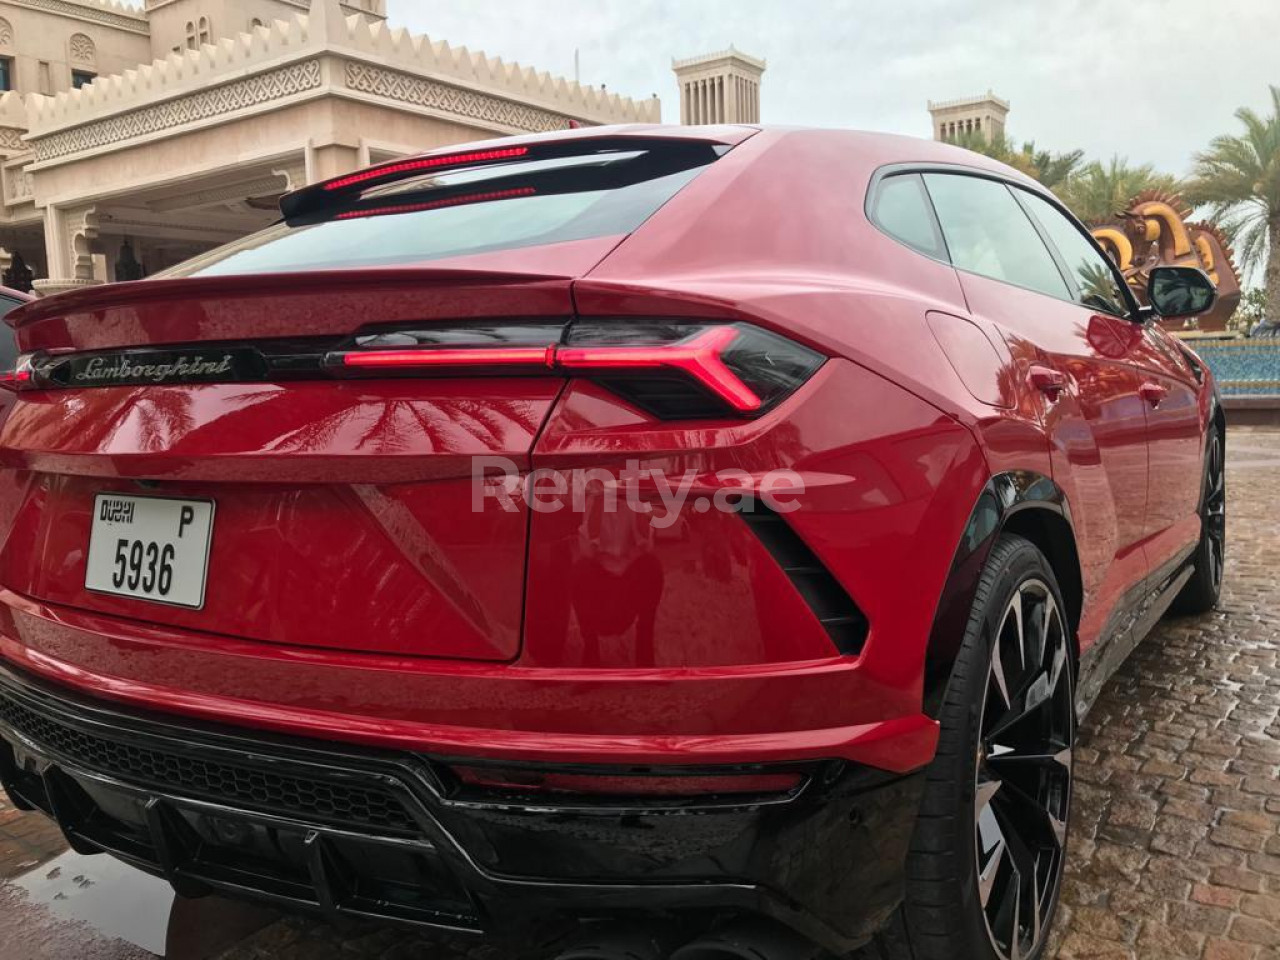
(108,896)
(105,904)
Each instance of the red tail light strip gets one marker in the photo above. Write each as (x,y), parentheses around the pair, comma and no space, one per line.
(699,358)
(465,357)
(14,379)
(424,163)
(437,204)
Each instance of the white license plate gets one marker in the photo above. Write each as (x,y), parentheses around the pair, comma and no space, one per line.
(151,548)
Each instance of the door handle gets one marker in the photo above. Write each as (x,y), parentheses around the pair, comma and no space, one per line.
(1048,381)
(1153,393)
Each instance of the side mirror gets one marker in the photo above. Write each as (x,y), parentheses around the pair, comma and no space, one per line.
(1180,291)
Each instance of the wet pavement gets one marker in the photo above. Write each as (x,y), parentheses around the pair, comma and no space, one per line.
(1175,833)
(1176,828)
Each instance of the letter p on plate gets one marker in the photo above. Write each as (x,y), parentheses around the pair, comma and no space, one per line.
(184,519)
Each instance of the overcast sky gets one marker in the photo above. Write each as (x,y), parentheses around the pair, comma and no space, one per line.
(1153,80)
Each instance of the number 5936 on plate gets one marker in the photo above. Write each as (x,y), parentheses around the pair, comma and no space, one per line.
(152,548)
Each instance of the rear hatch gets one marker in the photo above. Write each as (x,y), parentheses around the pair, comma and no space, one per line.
(279,441)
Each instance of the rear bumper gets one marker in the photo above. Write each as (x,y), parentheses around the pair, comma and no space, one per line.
(390,835)
(769,713)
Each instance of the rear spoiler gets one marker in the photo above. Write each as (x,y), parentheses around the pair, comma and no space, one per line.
(96,300)
(320,197)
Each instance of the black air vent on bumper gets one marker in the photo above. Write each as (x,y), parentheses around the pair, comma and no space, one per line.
(254,787)
(834,608)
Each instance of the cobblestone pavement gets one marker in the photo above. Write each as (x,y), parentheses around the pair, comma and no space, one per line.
(1176,828)
(26,841)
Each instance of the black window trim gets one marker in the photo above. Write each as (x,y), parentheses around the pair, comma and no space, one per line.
(1013,185)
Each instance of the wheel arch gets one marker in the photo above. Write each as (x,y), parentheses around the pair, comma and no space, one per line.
(1022,502)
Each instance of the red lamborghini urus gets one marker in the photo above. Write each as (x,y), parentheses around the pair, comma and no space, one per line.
(636,541)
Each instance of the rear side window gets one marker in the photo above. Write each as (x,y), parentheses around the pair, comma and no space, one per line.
(988,233)
(467,210)
(1097,286)
(901,208)
(8,345)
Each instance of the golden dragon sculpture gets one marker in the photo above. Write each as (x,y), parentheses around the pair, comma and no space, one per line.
(1153,230)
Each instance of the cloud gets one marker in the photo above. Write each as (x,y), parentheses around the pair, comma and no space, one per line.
(1150,79)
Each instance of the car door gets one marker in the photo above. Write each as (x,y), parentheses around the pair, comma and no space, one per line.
(1078,356)
(1175,430)
(1167,385)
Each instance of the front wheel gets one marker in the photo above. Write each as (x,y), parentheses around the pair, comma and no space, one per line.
(987,856)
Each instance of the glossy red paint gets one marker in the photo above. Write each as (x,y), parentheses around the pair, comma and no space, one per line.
(354,595)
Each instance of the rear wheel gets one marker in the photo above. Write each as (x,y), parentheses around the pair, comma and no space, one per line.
(985,867)
(1200,594)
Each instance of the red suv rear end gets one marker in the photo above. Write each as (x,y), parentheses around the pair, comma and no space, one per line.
(438,555)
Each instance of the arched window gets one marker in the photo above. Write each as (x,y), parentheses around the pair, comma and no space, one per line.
(206,35)
(191,36)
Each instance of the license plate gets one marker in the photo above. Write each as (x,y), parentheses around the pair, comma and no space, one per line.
(150,548)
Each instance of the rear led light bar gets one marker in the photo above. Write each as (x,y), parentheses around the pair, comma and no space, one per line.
(423,163)
(698,358)
(671,369)
(453,357)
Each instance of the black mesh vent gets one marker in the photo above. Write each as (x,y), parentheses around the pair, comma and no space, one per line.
(834,608)
(267,791)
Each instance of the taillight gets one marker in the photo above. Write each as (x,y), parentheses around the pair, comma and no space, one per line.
(675,370)
(20,377)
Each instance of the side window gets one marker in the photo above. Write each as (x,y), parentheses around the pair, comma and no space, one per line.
(987,232)
(1097,285)
(8,345)
(901,208)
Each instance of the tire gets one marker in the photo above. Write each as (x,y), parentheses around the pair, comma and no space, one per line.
(1201,593)
(998,794)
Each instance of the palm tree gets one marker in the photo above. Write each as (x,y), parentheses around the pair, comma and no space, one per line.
(1051,169)
(1098,191)
(1238,178)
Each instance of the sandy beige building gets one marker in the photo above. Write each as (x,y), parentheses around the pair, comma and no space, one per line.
(131,139)
(984,114)
(719,87)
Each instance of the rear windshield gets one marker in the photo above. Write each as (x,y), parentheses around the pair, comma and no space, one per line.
(537,200)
